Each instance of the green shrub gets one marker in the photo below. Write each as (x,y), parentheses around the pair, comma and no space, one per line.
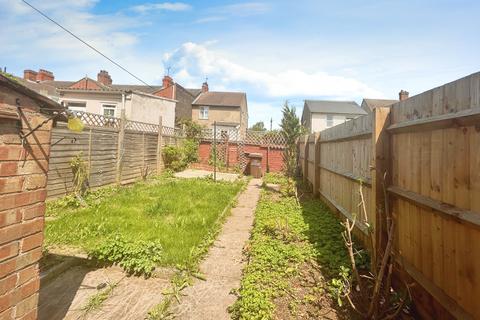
(190,150)
(177,158)
(138,257)
(174,158)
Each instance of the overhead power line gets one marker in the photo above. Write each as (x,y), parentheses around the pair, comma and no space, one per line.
(86,43)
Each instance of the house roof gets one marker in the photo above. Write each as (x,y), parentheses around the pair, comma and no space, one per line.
(325,106)
(375,103)
(194,92)
(223,99)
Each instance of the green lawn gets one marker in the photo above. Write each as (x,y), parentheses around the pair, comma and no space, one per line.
(175,215)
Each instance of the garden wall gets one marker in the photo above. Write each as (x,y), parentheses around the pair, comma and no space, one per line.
(429,148)
(23,176)
(113,152)
(272,156)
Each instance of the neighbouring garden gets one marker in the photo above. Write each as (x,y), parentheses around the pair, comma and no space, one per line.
(162,221)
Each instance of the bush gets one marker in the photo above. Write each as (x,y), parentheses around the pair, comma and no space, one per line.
(177,158)
(174,158)
(190,149)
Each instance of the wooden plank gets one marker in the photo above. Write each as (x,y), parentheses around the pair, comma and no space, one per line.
(347,214)
(363,180)
(466,117)
(458,214)
(447,302)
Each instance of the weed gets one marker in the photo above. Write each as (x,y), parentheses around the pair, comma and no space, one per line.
(287,235)
(94,302)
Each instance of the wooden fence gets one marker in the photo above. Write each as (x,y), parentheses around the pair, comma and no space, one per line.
(429,148)
(115,151)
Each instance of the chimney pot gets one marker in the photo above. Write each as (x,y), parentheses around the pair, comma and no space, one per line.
(45,75)
(30,75)
(104,78)
(167,81)
(204,87)
(403,95)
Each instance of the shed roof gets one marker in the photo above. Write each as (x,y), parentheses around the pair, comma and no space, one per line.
(326,106)
(376,103)
(224,99)
(45,103)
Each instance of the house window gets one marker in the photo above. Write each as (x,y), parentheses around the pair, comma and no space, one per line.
(77,106)
(329,120)
(109,110)
(203,113)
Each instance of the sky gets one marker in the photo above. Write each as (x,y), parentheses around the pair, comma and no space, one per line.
(272,50)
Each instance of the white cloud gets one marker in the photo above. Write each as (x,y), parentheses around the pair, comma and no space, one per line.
(192,62)
(162,6)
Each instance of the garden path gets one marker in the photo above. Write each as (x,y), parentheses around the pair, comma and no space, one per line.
(223,265)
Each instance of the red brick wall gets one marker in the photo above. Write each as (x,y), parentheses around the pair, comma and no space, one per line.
(22,194)
(275,159)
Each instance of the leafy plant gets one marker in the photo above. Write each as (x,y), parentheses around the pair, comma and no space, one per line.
(139,257)
(192,130)
(80,176)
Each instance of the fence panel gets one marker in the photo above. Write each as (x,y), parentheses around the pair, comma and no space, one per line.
(112,155)
(429,148)
(435,192)
(345,159)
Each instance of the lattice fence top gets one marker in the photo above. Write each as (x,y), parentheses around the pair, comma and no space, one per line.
(141,126)
(272,139)
(98,120)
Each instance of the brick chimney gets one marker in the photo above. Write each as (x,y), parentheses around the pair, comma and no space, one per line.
(30,75)
(167,82)
(45,75)
(205,87)
(104,77)
(403,95)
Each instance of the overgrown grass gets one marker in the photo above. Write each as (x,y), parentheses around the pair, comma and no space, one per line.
(163,221)
(285,236)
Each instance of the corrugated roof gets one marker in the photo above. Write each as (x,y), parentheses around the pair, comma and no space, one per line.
(325,106)
(225,99)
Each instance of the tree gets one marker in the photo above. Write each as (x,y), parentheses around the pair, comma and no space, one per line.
(259,126)
(291,130)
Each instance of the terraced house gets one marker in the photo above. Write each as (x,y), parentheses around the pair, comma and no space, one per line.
(103,97)
(229,110)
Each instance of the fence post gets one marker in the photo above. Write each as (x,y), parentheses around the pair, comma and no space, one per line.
(159,146)
(90,133)
(381,165)
(120,147)
(316,165)
(305,159)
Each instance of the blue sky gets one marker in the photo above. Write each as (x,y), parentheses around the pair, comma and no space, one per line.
(272,50)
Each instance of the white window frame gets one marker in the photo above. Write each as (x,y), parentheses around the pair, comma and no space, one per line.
(203,113)
(109,106)
(77,108)
(329,120)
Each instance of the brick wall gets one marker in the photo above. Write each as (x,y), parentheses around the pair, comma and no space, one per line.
(275,159)
(23,180)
